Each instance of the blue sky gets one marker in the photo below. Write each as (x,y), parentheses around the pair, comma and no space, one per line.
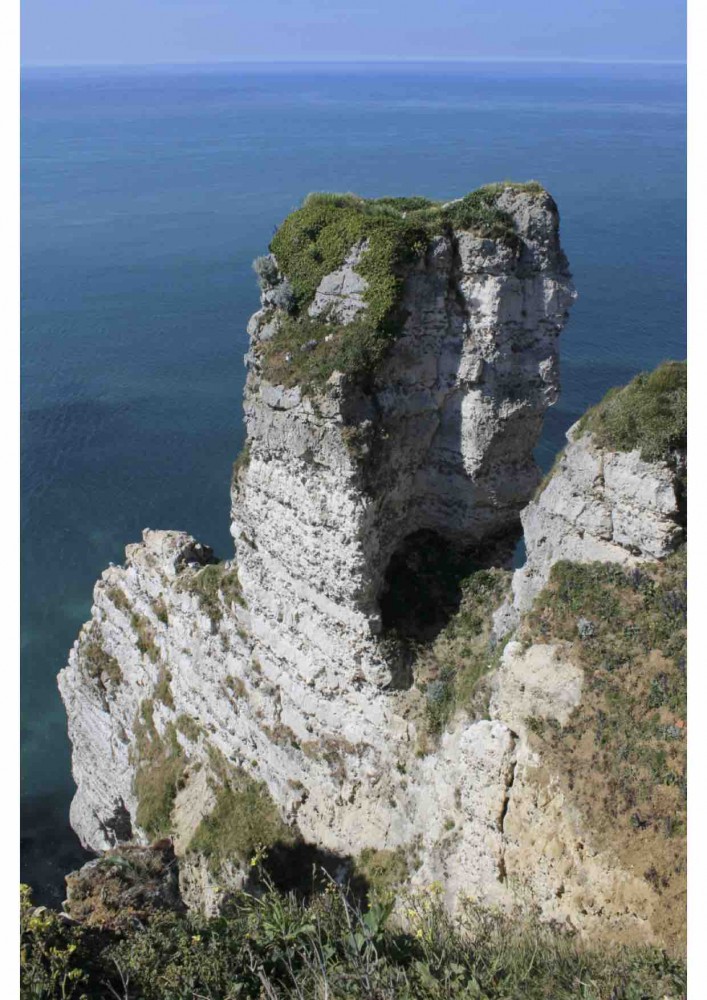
(57,32)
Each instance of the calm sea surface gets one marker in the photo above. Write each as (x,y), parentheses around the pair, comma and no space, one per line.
(146,195)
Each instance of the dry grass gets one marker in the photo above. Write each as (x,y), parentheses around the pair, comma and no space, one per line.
(622,754)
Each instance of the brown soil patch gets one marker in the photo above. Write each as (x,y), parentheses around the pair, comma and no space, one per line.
(622,754)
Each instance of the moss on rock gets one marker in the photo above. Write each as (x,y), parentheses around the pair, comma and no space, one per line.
(394,232)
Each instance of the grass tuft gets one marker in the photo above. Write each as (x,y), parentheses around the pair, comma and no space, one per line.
(99,664)
(188,727)
(217,587)
(144,636)
(384,871)
(244,819)
(160,763)
(648,414)
(163,689)
(160,610)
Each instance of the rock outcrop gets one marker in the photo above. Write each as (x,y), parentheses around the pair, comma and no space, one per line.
(125,887)
(272,699)
(442,441)
(600,503)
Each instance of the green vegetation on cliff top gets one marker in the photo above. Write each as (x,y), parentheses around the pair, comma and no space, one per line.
(314,241)
(650,414)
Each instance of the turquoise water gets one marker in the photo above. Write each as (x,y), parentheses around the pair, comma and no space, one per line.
(146,195)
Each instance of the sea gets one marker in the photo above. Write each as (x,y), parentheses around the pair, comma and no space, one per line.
(146,194)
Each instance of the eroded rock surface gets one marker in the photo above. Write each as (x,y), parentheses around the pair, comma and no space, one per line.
(598,505)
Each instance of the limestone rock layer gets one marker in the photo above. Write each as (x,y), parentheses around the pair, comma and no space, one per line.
(598,505)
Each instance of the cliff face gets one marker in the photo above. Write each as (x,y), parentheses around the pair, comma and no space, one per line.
(281,697)
(608,501)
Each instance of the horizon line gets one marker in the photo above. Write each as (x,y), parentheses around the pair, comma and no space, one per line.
(387,60)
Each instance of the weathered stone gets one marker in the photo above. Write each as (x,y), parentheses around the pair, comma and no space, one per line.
(538,682)
(341,294)
(598,505)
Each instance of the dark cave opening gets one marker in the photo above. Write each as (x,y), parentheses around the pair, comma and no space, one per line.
(304,870)
(423,582)
(423,585)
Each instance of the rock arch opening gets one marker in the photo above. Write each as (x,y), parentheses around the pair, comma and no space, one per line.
(423,585)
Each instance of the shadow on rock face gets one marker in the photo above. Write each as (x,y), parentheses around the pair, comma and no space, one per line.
(423,583)
(304,869)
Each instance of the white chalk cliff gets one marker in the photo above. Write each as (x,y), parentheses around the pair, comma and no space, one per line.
(279,662)
(598,505)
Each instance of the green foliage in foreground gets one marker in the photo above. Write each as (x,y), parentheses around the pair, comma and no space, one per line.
(650,413)
(314,241)
(277,947)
